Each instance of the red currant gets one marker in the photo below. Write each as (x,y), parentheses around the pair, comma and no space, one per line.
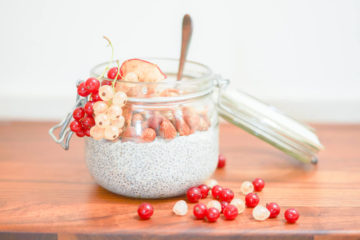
(75,126)
(88,122)
(212,214)
(215,191)
(112,73)
(82,90)
(224,205)
(200,210)
(258,184)
(80,133)
(204,190)
(92,84)
(221,161)
(88,108)
(251,200)
(95,97)
(274,209)
(226,195)
(194,194)
(106,82)
(291,215)
(87,132)
(230,212)
(145,211)
(78,113)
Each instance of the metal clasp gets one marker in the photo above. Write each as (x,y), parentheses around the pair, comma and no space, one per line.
(65,133)
(220,82)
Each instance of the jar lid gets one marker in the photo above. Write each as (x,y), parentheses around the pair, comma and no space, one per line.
(267,123)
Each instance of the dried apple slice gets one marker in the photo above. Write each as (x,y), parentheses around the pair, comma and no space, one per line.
(145,71)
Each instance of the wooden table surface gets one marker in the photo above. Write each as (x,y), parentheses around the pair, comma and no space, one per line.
(47,193)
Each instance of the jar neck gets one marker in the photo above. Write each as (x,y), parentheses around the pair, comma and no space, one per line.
(198,80)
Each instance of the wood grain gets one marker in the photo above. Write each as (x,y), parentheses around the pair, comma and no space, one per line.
(47,193)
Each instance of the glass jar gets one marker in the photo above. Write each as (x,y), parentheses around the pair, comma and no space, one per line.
(171,136)
(185,150)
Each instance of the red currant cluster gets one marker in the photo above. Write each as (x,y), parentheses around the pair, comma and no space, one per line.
(83,116)
(225,203)
(90,86)
(212,211)
(101,117)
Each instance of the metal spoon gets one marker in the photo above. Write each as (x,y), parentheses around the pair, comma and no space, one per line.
(185,42)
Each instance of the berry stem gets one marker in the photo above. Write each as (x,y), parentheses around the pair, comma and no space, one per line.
(111,60)
(117,74)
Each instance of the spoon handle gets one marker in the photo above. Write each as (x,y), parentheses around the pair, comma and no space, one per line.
(186,37)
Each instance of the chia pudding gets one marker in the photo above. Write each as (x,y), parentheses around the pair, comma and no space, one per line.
(159,169)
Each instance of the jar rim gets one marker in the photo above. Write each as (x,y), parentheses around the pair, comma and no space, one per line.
(199,80)
(208,73)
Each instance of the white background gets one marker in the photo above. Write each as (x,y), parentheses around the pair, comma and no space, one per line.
(302,56)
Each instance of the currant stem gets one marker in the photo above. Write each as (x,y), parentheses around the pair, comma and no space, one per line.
(111,60)
(117,74)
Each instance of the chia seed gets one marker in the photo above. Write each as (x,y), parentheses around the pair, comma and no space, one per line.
(159,169)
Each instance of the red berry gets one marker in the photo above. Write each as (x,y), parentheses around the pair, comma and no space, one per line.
(78,113)
(251,200)
(215,191)
(221,161)
(75,126)
(88,122)
(80,133)
(258,184)
(145,211)
(92,84)
(204,190)
(200,211)
(224,205)
(106,82)
(226,195)
(87,132)
(88,108)
(95,97)
(291,215)
(212,214)
(230,212)
(194,194)
(112,73)
(82,90)
(274,209)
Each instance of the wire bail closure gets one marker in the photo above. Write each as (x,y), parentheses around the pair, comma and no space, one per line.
(65,133)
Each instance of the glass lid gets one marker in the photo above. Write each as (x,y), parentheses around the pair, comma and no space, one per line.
(267,123)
